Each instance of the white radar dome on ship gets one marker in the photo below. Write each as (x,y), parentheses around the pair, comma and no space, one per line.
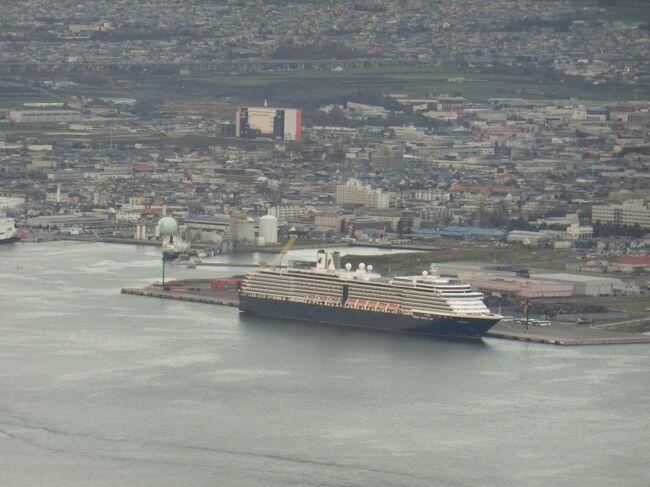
(260,241)
(370,268)
(167,226)
(348,266)
(362,266)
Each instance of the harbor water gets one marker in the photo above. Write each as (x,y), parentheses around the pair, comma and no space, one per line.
(103,389)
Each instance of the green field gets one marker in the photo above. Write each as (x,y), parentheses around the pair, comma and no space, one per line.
(616,10)
(476,85)
(632,304)
(310,89)
(16,101)
(453,250)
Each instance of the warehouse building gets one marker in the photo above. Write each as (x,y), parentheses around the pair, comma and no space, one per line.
(592,285)
(208,228)
(470,270)
(44,116)
(475,233)
(522,288)
(632,263)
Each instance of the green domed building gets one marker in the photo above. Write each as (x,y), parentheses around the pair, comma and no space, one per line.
(171,242)
(167,226)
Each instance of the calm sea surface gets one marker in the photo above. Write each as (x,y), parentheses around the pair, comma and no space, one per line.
(101,389)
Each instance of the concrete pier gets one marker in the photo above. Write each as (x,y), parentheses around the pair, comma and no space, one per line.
(222,299)
(565,334)
(225,264)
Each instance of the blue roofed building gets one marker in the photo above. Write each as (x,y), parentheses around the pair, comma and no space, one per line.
(476,233)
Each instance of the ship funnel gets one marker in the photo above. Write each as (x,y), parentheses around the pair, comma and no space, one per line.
(337,259)
(330,263)
(321,259)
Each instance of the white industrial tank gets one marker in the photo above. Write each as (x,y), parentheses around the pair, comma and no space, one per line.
(269,229)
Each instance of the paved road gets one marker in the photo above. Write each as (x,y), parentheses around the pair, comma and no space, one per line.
(638,321)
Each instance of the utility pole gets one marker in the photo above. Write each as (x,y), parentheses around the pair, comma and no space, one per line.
(527,312)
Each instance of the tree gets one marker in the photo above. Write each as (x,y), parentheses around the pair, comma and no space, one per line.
(519,224)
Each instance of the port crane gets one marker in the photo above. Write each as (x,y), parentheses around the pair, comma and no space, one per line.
(283,251)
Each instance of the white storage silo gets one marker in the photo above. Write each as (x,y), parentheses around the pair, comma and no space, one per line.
(269,229)
(244,230)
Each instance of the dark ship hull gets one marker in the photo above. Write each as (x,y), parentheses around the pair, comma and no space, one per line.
(337,315)
(170,254)
(13,239)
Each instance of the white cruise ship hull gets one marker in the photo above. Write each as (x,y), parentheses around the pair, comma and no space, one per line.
(8,231)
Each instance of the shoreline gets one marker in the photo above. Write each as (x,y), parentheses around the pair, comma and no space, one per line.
(266,249)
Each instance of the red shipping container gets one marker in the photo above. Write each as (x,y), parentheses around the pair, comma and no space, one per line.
(226,284)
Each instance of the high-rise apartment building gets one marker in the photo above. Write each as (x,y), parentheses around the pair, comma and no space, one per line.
(629,212)
(354,192)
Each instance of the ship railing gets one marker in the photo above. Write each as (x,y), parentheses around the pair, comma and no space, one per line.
(368,305)
(276,297)
(454,313)
(429,312)
(322,300)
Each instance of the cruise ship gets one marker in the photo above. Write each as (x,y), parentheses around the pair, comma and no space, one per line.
(425,304)
(8,230)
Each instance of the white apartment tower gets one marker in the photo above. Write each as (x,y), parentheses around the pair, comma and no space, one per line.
(629,212)
(354,192)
